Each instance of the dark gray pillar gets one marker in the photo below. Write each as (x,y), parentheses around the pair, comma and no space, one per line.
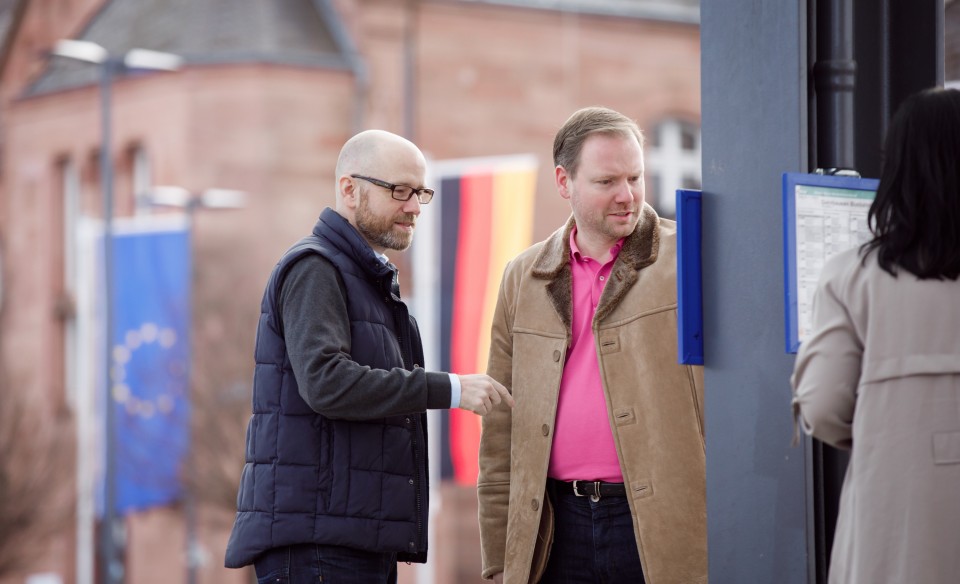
(754,124)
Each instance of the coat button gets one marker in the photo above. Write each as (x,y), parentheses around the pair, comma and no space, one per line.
(534,504)
(407,420)
(410,481)
(545,430)
(556,355)
(411,545)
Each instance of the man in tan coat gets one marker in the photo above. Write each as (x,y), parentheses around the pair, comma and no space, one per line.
(597,474)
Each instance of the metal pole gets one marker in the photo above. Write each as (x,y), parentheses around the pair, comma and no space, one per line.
(193,551)
(834,76)
(112,566)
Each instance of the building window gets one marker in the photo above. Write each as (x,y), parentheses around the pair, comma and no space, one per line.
(142,180)
(672,162)
(66,303)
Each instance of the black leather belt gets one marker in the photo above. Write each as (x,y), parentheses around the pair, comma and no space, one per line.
(593,489)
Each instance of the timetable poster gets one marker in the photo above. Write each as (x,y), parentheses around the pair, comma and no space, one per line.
(825,215)
(828,221)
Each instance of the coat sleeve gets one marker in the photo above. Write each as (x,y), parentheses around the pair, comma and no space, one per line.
(493,484)
(827,370)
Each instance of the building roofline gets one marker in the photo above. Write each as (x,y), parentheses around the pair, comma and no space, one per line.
(312,40)
(239,59)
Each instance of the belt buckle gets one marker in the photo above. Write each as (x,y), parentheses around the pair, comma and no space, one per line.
(596,490)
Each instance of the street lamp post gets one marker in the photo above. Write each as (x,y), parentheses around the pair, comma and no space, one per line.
(112,568)
(213,198)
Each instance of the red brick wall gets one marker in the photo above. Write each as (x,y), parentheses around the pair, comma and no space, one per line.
(496,80)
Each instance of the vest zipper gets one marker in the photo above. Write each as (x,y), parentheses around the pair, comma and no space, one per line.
(416,457)
(402,320)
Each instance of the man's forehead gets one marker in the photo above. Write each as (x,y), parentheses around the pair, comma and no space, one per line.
(611,139)
(599,162)
(409,170)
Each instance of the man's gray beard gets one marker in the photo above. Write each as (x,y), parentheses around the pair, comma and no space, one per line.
(379,231)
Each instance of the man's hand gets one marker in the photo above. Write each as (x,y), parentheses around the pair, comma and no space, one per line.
(481,393)
(498,578)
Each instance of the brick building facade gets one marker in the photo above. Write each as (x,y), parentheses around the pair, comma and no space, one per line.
(265,100)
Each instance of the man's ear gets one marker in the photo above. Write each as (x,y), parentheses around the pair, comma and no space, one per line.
(563,180)
(348,190)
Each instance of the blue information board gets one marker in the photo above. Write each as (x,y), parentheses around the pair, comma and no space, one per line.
(822,216)
(689,278)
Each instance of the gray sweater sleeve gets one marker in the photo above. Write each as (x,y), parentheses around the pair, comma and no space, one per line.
(317,334)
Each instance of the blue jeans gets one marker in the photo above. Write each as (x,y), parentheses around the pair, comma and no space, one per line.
(309,563)
(592,541)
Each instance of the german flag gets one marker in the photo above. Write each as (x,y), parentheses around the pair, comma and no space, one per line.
(486,209)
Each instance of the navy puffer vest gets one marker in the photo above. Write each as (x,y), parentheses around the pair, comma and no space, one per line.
(311,479)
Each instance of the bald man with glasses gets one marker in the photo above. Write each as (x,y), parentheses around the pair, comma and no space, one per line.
(334,488)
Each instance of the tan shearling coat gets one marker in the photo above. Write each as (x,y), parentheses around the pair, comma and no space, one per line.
(655,407)
(881,374)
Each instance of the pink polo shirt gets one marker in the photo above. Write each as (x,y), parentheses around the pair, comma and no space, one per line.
(583,446)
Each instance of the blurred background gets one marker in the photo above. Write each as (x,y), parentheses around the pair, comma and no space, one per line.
(202,135)
(220,155)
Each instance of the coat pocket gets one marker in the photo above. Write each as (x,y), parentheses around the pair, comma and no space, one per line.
(946,448)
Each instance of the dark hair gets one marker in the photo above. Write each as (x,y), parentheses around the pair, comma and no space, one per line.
(585,122)
(915,218)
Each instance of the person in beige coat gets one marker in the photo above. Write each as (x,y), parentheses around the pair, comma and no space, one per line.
(597,474)
(880,373)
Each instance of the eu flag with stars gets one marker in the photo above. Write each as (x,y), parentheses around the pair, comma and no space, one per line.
(150,362)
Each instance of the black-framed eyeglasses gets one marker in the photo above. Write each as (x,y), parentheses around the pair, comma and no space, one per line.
(400,192)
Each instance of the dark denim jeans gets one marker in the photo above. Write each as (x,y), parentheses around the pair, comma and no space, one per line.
(309,563)
(592,542)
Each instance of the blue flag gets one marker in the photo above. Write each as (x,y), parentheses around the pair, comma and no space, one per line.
(150,364)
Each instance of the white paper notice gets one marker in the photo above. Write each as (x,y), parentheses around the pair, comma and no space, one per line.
(828,221)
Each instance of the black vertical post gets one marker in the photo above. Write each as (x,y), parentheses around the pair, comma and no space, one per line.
(834,75)
(835,83)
